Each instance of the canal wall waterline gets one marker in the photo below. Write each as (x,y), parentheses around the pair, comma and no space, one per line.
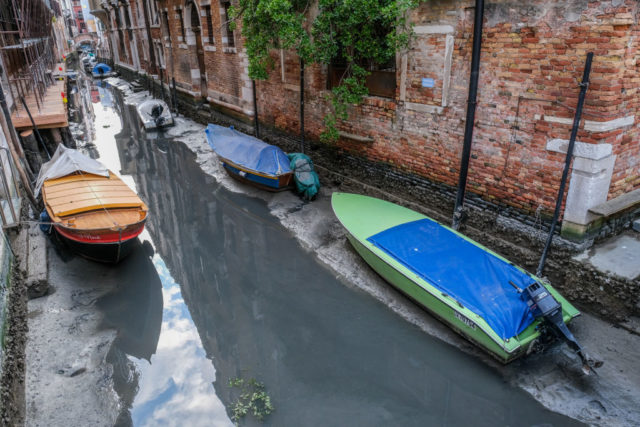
(503,229)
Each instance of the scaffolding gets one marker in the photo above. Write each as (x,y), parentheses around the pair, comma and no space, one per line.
(27,45)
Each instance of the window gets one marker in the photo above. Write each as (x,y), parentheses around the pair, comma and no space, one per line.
(165,30)
(207,10)
(127,17)
(160,54)
(123,50)
(381,80)
(229,32)
(181,18)
(116,13)
(153,10)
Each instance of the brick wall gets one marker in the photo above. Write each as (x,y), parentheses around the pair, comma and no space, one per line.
(532,59)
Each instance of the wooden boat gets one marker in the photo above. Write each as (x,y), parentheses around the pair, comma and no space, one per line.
(251,160)
(98,216)
(154,114)
(475,291)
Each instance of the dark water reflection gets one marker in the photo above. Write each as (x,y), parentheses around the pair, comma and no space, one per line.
(264,308)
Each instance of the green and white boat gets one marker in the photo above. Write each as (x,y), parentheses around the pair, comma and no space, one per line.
(495,304)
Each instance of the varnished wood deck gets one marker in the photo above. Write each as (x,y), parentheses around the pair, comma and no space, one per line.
(77,194)
(51,114)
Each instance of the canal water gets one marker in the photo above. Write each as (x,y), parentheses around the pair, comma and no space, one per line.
(221,301)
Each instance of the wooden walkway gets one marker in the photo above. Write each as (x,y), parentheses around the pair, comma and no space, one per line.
(52,112)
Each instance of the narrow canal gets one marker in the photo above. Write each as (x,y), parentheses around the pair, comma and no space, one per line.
(219,294)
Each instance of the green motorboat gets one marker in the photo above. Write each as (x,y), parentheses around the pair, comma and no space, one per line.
(481,295)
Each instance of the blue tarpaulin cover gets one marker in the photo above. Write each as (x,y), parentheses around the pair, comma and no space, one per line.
(462,270)
(104,67)
(247,151)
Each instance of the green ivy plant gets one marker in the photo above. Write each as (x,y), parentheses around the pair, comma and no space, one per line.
(252,399)
(357,33)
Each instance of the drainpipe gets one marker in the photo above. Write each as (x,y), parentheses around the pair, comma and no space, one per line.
(471,113)
(302,105)
(255,109)
(567,161)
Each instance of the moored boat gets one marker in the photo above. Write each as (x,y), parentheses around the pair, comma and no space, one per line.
(92,210)
(101,71)
(495,304)
(250,160)
(154,114)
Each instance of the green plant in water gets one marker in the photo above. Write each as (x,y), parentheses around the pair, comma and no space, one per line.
(359,34)
(252,399)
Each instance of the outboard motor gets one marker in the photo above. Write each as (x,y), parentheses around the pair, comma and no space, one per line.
(543,304)
(156,113)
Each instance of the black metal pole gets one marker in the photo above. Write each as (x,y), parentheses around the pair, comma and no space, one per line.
(567,162)
(255,109)
(471,113)
(174,98)
(302,105)
(35,128)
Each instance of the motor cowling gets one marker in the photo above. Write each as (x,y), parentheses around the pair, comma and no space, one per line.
(543,304)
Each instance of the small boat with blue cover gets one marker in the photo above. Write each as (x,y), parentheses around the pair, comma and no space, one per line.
(486,298)
(101,71)
(250,160)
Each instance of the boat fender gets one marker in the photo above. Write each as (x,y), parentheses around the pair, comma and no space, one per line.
(45,222)
(305,177)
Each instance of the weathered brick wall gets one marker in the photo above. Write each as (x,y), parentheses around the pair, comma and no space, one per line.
(532,60)
(626,176)
(223,63)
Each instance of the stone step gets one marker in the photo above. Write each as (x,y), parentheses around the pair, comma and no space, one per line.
(136,86)
(31,249)
(19,247)
(619,204)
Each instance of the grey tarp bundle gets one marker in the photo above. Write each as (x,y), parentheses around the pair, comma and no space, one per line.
(66,161)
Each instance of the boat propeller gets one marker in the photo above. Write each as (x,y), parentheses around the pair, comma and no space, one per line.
(543,304)
(156,113)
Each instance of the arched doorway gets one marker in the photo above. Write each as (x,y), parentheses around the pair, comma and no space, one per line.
(193,37)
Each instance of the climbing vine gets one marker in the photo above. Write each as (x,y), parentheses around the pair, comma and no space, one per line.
(357,34)
(251,399)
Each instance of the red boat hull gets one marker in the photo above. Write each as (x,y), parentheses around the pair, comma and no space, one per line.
(105,245)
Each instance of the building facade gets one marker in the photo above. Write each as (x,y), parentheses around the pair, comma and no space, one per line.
(532,59)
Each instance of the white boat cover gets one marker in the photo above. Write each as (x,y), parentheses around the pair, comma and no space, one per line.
(66,161)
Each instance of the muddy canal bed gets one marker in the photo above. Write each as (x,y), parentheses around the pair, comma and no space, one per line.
(234,291)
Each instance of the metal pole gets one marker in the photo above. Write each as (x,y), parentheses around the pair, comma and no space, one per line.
(255,109)
(35,128)
(567,162)
(302,105)
(471,113)
(173,95)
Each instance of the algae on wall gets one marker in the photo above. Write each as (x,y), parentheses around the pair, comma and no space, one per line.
(5,283)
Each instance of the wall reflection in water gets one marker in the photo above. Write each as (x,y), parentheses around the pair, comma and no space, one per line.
(264,308)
